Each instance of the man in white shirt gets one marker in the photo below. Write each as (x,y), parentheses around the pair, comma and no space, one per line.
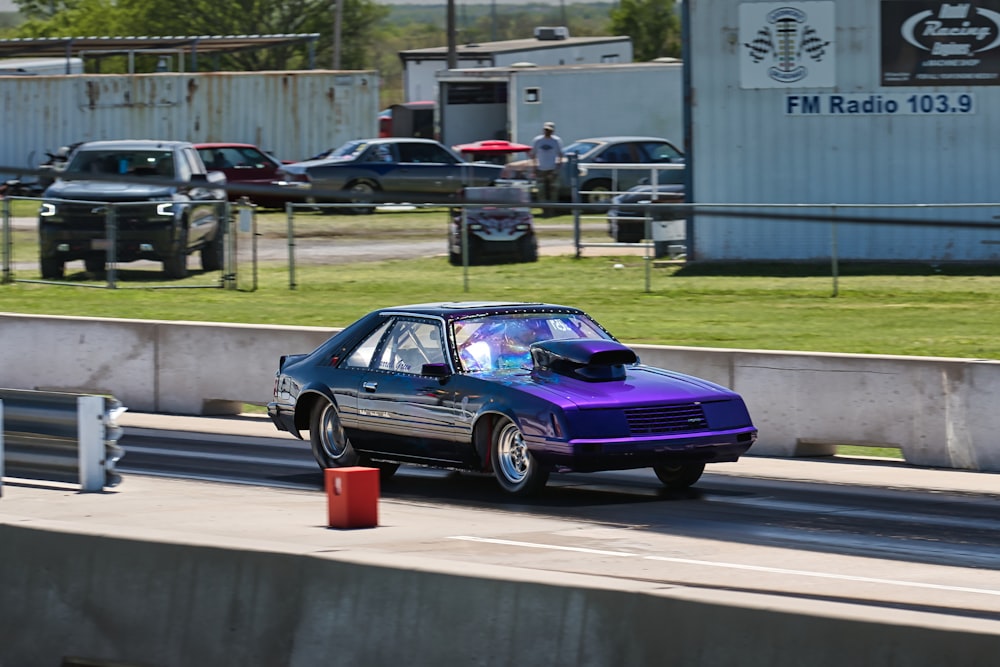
(547,153)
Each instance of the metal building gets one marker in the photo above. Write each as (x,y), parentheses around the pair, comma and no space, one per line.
(550,46)
(839,105)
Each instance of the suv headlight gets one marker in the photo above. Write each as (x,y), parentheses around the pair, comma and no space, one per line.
(166,208)
(46,210)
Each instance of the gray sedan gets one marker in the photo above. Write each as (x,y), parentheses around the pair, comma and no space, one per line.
(389,170)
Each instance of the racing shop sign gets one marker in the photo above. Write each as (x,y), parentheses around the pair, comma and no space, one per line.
(940,43)
(787,45)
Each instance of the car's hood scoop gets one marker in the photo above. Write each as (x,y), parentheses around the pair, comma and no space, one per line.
(589,360)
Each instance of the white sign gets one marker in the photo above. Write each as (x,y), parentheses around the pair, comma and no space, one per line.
(787,45)
(880,104)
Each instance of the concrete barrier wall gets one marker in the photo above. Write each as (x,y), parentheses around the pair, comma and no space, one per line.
(939,412)
(132,602)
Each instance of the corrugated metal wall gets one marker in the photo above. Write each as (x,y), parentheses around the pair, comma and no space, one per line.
(747,149)
(292,114)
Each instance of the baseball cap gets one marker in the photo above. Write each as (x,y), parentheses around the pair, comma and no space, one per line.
(549,125)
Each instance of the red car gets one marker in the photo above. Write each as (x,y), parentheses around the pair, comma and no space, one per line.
(247,165)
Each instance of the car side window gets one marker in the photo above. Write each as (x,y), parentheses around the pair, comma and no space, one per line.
(659,152)
(424,153)
(378,153)
(363,353)
(620,154)
(411,344)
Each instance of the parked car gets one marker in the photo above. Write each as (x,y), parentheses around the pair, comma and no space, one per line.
(516,389)
(597,184)
(177,212)
(629,210)
(246,164)
(501,230)
(389,170)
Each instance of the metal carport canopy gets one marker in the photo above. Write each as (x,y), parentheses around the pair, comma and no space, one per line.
(70,47)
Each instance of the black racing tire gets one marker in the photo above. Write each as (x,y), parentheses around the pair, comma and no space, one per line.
(52,269)
(386,469)
(330,445)
(527,249)
(361,192)
(94,264)
(679,475)
(212,252)
(632,231)
(514,467)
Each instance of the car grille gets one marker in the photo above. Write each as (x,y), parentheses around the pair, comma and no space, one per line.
(666,419)
(94,216)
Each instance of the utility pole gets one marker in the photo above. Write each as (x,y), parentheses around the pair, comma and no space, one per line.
(338,13)
(452,50)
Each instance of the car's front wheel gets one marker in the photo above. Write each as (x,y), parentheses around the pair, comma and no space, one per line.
(597,191)
(211,253)
(175,265)
(515,468)
(679,475)
(330,445)
(52,269)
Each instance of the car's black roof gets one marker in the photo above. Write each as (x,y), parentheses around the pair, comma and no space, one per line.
(451,310)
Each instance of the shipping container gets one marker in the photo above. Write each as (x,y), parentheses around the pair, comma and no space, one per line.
(582,100)
(292,114)
(839,105)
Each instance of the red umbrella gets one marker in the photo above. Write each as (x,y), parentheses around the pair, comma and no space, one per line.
(492,146)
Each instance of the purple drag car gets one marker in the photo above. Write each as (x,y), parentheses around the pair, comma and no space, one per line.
(517,389)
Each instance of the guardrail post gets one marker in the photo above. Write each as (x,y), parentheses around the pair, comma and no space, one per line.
(61,437)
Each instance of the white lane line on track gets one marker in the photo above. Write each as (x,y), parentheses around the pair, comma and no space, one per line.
(735,566)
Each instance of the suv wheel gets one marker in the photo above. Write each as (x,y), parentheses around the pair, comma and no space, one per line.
(211,253)
(52,269)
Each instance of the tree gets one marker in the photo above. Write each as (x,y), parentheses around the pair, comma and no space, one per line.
(653,26)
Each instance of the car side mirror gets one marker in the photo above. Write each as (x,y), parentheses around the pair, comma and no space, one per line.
(435,370)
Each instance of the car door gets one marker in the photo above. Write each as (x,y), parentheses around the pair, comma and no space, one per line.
(662,153)
(429,169)
(400,411)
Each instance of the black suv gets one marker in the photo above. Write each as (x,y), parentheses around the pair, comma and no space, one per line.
(178,211)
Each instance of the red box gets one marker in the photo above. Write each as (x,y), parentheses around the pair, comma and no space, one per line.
(352,496)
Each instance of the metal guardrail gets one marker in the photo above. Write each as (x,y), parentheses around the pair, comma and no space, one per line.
(60,437)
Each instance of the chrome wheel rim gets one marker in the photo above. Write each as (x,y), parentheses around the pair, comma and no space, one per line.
(512,454)
(332,433)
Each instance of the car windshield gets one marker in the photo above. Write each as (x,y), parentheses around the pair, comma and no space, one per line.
(498,342)
(581,147)
(347,151)
(135,163)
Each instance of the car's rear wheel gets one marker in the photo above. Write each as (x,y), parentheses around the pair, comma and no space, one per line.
(527,249)
(52,269)
(679,475)
(330,445)
(361,192)
(514,467)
